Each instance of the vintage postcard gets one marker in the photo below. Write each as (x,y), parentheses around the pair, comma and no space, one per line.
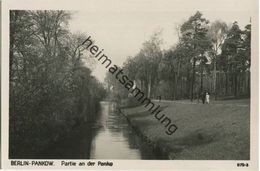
(129,85)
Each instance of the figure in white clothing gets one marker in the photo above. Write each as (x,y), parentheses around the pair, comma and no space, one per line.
(207,98)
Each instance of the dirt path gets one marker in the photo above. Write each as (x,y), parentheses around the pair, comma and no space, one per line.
(242,103)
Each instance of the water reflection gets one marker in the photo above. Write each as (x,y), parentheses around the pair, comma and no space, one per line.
(110,142)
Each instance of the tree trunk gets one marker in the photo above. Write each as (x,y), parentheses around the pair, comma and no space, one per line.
(149,86)
(176,87)
(193,78)
(201,82)
(201,79)
(238,84)
(226,88)
(215,78)
(188,86)
(235,85)
(181,88)
(177,76)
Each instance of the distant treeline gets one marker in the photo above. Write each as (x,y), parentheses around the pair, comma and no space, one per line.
(51,88)
(208,56)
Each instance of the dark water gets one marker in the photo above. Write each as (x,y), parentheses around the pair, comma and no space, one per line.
(115,139)
(108,137)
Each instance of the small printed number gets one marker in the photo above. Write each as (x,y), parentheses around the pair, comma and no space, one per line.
(242,164)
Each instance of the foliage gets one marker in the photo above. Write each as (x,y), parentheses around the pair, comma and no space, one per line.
(51,88)
(207,57)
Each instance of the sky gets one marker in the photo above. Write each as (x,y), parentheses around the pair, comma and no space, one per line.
(122,27)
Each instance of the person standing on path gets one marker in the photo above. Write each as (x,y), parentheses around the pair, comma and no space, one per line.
(207,98)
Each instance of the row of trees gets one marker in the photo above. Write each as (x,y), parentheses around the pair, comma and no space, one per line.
(51,87)
(207,57)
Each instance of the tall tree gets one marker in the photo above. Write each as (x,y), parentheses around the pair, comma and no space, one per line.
(168,71)
(194,37)
(147,61)
(217,34)
(231,54)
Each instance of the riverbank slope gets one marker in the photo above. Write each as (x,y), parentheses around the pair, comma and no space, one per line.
(216,131)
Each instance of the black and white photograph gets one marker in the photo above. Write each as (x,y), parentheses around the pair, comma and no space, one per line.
(130,81)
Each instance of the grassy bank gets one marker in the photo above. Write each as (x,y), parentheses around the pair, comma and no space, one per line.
(218,131)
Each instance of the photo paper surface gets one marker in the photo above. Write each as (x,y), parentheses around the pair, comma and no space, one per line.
(131,85)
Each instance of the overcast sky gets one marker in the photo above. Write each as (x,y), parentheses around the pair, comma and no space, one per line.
(121,28)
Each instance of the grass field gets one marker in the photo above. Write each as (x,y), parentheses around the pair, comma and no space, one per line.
(216,131)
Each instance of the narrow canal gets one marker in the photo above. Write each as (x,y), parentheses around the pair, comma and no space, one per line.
(115,139)
(108,137)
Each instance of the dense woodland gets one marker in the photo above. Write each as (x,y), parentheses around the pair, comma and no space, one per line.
(209,56)
(51,87)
